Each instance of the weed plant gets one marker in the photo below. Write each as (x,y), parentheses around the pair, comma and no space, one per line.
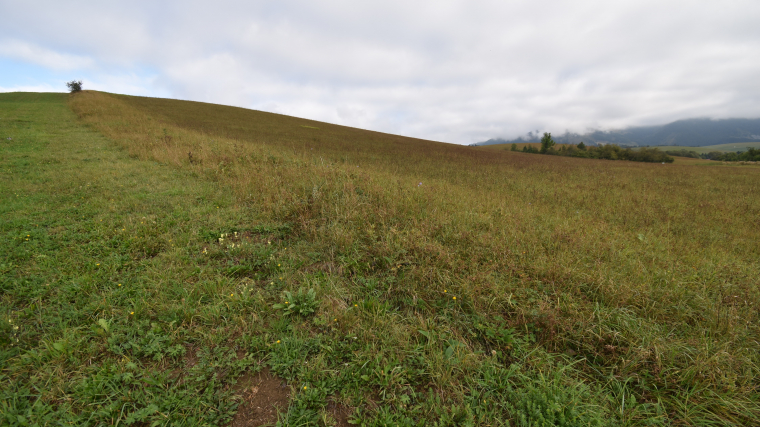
(151,243)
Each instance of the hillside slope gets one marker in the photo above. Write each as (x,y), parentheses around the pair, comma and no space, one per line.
(180,253)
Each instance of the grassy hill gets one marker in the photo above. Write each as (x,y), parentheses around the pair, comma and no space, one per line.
(175,263)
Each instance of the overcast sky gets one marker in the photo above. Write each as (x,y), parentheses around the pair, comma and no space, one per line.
(453,71)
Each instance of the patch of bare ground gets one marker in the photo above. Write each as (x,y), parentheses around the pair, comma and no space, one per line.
(263,395)
(339,413)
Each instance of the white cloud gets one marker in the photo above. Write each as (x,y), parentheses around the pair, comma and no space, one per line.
(43,87)
(458,71)
(32,53)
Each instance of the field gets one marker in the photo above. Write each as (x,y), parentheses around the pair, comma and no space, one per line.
(735,147)
(739,146)
(536,145)
(694,162)
(179,263)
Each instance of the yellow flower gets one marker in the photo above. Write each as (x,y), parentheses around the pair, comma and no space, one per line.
(304,387)
(356,305)
(232,294)
(454,298)
(131,312)
(444,291)
(278,341)
(286,302)
(119,284)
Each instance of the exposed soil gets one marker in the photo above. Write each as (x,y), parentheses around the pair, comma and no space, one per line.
(339,413)
(263,395)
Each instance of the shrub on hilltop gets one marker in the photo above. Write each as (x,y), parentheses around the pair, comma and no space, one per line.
(74,86)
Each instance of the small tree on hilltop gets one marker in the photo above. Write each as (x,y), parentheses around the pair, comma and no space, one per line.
(581,146)
(74,86)
(546,142)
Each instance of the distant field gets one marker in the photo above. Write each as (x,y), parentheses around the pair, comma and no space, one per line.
(179,263)
(509,146)
(739,146)
(694,162)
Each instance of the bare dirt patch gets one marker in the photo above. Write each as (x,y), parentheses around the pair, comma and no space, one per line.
(339,413)
(263,396)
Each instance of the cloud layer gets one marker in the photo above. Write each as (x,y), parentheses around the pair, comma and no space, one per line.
(455,71)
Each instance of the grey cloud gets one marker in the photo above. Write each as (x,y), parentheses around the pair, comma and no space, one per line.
(450,70)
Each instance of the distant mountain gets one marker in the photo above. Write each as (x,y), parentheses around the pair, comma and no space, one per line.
(690,133)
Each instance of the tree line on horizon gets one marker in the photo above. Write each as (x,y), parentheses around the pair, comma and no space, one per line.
(607,151)
(751,155)
(697,132)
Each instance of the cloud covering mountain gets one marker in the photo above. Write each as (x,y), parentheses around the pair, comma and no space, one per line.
(692,132)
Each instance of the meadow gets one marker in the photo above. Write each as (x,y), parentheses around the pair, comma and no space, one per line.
(178,263)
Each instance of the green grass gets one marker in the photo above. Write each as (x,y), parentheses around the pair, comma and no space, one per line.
(155,250)
(93,297)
